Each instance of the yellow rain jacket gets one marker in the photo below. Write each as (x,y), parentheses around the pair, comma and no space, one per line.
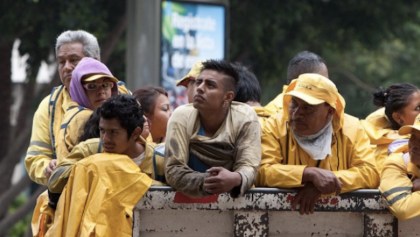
(72,127)
(381,135)
(396,186)
(152,165)
(45,129)
(43,216)
(99,197)
(262,113)
(276,105)
(283,161)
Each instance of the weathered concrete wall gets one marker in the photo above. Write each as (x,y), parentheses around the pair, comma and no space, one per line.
(267,212)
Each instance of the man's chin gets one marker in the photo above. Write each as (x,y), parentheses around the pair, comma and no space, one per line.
(196,105)
(299,131)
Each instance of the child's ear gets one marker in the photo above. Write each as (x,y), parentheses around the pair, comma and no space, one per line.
(136,133)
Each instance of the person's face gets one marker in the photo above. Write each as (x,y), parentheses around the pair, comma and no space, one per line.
(98,91)
(414,147)
(407,115)
(113,136)
(210,93)
(307,119)
(190,90)
(159,118)
(68,56)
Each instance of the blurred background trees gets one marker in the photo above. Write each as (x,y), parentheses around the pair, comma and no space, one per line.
(367,44)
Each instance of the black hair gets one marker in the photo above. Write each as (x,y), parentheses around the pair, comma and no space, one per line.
(225,68)
(248,88)
(126,109)
(304,62)
(147,97)
(394,98)
(91,128)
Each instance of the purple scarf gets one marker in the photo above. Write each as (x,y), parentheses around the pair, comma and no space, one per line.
(87,66)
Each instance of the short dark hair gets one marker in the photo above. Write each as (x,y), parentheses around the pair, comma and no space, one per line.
(126,109)
(225,68)
(248,87)
(304,62)
(91,128)
(394,98)
(147,97)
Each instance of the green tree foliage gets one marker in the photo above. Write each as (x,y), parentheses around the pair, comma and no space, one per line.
(366,44)
(37,23)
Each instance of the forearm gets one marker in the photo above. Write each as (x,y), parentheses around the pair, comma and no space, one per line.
(59,178)
(407,206)
(280,176)
(185,180)
(39,153)
(247,178)
(358,178)
(35,166)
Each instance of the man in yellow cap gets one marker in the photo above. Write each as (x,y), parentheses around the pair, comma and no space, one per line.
(188,80)
(400,178)
(302,62)
(313,145)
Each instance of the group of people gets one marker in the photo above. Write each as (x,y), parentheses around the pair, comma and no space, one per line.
(98,147)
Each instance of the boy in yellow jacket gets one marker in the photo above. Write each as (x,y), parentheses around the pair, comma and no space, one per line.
(102,189)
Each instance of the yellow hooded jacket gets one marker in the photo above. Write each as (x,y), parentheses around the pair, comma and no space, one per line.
(152,165)
(45,129)
(99,197)
(396,185)
(283,161)
(262,113)
(381,135)
(75,118)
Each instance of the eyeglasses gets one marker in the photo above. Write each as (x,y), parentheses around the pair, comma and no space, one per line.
(96,86)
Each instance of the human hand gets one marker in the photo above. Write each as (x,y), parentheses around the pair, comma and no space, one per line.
(306,199)
(50,168)
(324,180)
(416,185)
(221,180)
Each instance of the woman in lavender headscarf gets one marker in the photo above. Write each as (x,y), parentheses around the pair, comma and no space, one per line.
(91,84)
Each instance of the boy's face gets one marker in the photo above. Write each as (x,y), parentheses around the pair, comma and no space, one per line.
(113,136)
(209,91)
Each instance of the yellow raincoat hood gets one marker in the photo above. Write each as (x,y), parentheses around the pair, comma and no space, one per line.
(315,89)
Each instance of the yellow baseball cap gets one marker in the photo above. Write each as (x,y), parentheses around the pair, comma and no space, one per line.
(314,89)
(407,129)
(192,74)
(98,76)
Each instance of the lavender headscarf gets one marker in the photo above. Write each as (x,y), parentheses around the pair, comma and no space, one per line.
(87,66)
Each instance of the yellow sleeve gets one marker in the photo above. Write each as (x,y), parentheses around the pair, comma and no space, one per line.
(396,188)
(39,153)
(70,131)
(361,169)
(274,171)
(276,105)
(59,177)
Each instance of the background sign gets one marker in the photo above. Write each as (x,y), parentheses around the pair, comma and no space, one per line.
(190,32)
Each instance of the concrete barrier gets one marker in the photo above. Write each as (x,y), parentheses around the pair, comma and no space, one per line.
(266,212)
